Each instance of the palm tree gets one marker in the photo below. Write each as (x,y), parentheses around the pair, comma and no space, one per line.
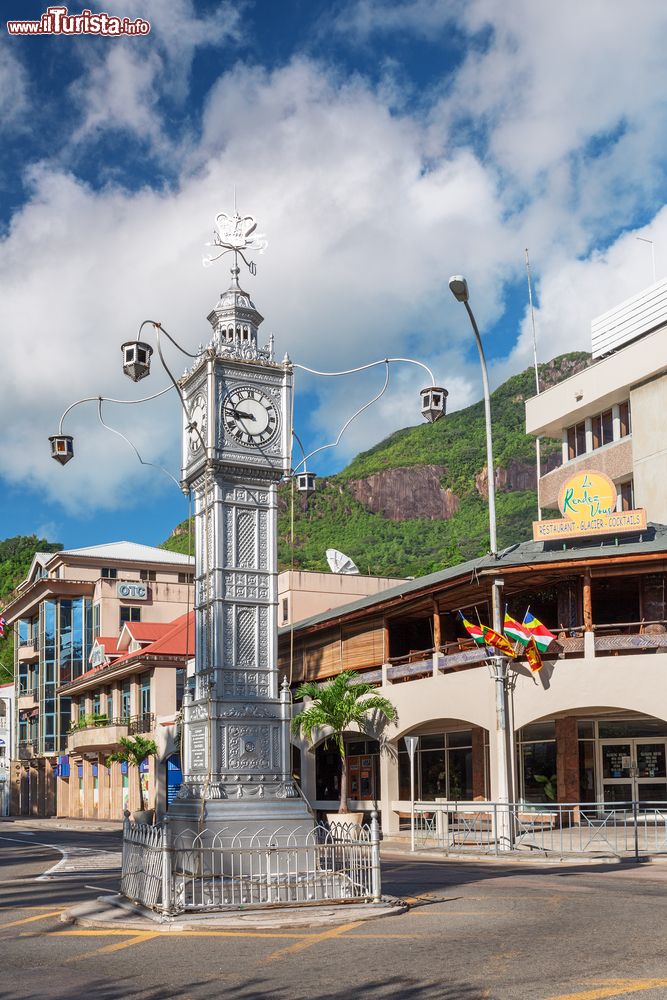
(337,705)
(134,750)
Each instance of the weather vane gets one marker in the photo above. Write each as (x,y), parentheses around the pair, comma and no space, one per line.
(236,234)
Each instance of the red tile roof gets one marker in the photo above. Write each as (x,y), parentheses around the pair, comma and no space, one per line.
(177,639)
(110,644)
(148,631)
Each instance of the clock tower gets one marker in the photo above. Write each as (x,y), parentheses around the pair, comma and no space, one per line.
(237,432)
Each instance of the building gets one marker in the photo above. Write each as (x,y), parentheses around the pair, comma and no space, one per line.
(302,594)
(609,416)
(68,600)
(6,743)
(592,724)
(134,685)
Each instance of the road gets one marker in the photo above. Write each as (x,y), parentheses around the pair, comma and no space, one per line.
(475,931)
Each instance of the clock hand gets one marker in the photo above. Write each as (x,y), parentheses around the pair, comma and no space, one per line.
(242,415)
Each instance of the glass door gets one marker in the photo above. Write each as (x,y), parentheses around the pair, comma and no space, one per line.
(651,777)
(633,769)
(616,770)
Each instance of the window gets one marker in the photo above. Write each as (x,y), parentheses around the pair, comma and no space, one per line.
(626,492)
(285,610)
(147,574)
(96,621)
(129,615)
(125,699)
(624,414)
(576,440)
(185,577)
(108,573)
(145,695)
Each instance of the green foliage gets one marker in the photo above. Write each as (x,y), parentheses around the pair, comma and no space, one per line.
(341,703)
(134,750)
(89,722)
(550,785)
(16,555)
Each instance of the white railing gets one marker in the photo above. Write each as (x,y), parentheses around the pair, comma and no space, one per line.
(213,870)
(624,829)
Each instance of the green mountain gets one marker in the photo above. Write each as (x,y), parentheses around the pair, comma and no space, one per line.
(16,555)
(417,501)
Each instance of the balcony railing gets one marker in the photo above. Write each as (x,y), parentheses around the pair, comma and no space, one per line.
(141,723)
(27,749)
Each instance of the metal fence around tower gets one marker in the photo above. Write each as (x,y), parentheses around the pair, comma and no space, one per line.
(213,870)
(635,829)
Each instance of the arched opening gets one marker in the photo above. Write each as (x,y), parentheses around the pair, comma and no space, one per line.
(451,762)
(600,754)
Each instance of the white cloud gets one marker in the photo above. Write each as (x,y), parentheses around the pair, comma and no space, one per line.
(124,79)
(14,87)
(368,211)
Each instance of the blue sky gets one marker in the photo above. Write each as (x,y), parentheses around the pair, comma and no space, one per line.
(381,145)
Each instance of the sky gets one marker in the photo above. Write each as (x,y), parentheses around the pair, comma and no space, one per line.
(382,146)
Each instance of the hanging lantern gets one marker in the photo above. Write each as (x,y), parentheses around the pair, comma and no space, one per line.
(434,403)
(136,359)
(305,482)
(62,448)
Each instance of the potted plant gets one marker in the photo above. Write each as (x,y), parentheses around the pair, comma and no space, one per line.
(338,705)
(135,750)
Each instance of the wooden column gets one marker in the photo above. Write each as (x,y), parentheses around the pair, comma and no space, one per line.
(437,634)
(587,602)
(385,641)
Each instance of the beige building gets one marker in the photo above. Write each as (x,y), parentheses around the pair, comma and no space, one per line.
(66,602)
(609,417)
(134,686)
(302,594)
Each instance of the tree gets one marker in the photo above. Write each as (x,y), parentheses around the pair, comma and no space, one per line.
(134,750)
(339,704)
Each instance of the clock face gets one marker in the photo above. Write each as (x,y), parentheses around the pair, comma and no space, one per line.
(197,430)
(250,416)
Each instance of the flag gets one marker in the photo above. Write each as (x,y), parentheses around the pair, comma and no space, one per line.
(516,631)
(474,630)
(2,627)
(497,641)
(533,655)
(540,633)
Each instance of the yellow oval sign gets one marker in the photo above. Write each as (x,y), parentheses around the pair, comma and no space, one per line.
(587,494)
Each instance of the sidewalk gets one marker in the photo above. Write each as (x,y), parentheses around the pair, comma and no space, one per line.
(65,823)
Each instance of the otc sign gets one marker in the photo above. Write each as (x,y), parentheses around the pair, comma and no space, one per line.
(136,591)
(587,501)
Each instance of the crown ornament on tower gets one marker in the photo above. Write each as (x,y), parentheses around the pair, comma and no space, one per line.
(236,234)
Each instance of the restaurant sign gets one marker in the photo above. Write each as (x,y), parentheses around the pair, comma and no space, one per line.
(587,501)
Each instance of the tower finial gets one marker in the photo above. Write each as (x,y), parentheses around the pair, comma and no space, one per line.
(236,234)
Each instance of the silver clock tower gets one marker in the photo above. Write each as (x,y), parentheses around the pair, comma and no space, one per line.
(237,432)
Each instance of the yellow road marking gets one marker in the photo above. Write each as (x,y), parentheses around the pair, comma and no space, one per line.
(114,931)
(171,934)
(621,987)
(310,940)
(117,946)
(29,920)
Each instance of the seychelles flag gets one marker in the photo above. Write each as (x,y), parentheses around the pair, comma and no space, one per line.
(2,627)
(516,631)
(540,633)
(474,630)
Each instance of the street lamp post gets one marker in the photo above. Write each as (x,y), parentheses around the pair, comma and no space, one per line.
(459,288)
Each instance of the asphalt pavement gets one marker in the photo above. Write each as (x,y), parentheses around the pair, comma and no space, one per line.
(473,931)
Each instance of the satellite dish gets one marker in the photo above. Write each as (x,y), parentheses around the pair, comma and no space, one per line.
(340,563)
